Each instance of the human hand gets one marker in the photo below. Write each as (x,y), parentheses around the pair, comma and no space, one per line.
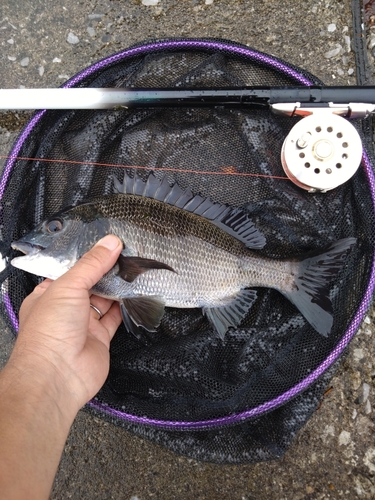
(61,339)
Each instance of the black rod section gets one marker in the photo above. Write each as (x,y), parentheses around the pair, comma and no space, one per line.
(252,96)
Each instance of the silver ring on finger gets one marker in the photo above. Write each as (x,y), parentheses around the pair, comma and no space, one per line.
(97,310)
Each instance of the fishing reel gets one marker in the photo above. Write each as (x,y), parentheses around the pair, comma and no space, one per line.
(323,150)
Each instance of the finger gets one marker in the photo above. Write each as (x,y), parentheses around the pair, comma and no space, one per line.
(42,287)
(34,296)
(96,313)
(93,264)
(112,319)
(101,303)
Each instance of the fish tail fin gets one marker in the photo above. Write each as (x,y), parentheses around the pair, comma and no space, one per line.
(315,273)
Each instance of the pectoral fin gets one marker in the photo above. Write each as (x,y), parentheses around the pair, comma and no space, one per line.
(142,311)
(130,267)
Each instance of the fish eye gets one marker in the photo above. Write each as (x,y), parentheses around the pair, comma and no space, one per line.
(54,226)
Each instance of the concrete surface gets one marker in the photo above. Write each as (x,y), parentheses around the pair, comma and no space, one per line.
(42,44)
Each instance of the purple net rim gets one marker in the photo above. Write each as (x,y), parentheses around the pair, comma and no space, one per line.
(366,164)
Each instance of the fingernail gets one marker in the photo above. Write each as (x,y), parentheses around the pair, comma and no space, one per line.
(110,241)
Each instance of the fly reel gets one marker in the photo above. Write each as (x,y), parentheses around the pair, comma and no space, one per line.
(321,152)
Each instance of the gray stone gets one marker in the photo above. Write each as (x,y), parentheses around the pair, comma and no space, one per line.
(90,31)
(25,62)
(72,38)
(347,43)
(365,391)
(334,52)
(95,17)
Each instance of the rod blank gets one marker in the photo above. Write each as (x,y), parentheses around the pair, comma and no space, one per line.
(109,98)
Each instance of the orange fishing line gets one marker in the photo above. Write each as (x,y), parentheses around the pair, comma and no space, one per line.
(225,170)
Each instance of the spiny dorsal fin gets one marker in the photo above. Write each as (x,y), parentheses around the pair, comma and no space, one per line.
(234,221)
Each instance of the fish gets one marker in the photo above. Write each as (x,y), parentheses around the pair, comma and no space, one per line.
(180,250)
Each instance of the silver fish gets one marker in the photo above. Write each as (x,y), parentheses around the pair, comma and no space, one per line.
(180,251)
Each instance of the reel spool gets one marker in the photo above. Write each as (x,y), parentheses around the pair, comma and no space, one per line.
(321,152)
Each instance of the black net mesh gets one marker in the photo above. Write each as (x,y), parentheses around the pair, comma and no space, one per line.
(186,373)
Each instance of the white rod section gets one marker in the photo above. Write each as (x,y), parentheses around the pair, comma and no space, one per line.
(60,98)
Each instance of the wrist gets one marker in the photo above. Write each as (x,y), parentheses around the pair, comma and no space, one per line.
(38,386)
(34,425)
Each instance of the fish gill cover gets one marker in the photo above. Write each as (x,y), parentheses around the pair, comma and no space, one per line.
(243,397)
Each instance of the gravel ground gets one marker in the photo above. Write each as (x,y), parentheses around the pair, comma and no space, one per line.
(333,456)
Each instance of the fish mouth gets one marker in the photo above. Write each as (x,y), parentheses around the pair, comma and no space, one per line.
(26,248)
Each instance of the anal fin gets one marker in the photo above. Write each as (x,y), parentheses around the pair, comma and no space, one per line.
(232,314)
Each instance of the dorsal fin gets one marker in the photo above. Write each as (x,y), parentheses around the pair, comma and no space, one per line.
(232,220)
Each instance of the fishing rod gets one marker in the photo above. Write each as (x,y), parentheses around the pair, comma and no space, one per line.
(321,152)
(254,96)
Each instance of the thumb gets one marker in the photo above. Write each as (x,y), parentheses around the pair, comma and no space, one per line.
(94,264)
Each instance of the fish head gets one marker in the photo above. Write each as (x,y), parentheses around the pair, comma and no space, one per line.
(55,245)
